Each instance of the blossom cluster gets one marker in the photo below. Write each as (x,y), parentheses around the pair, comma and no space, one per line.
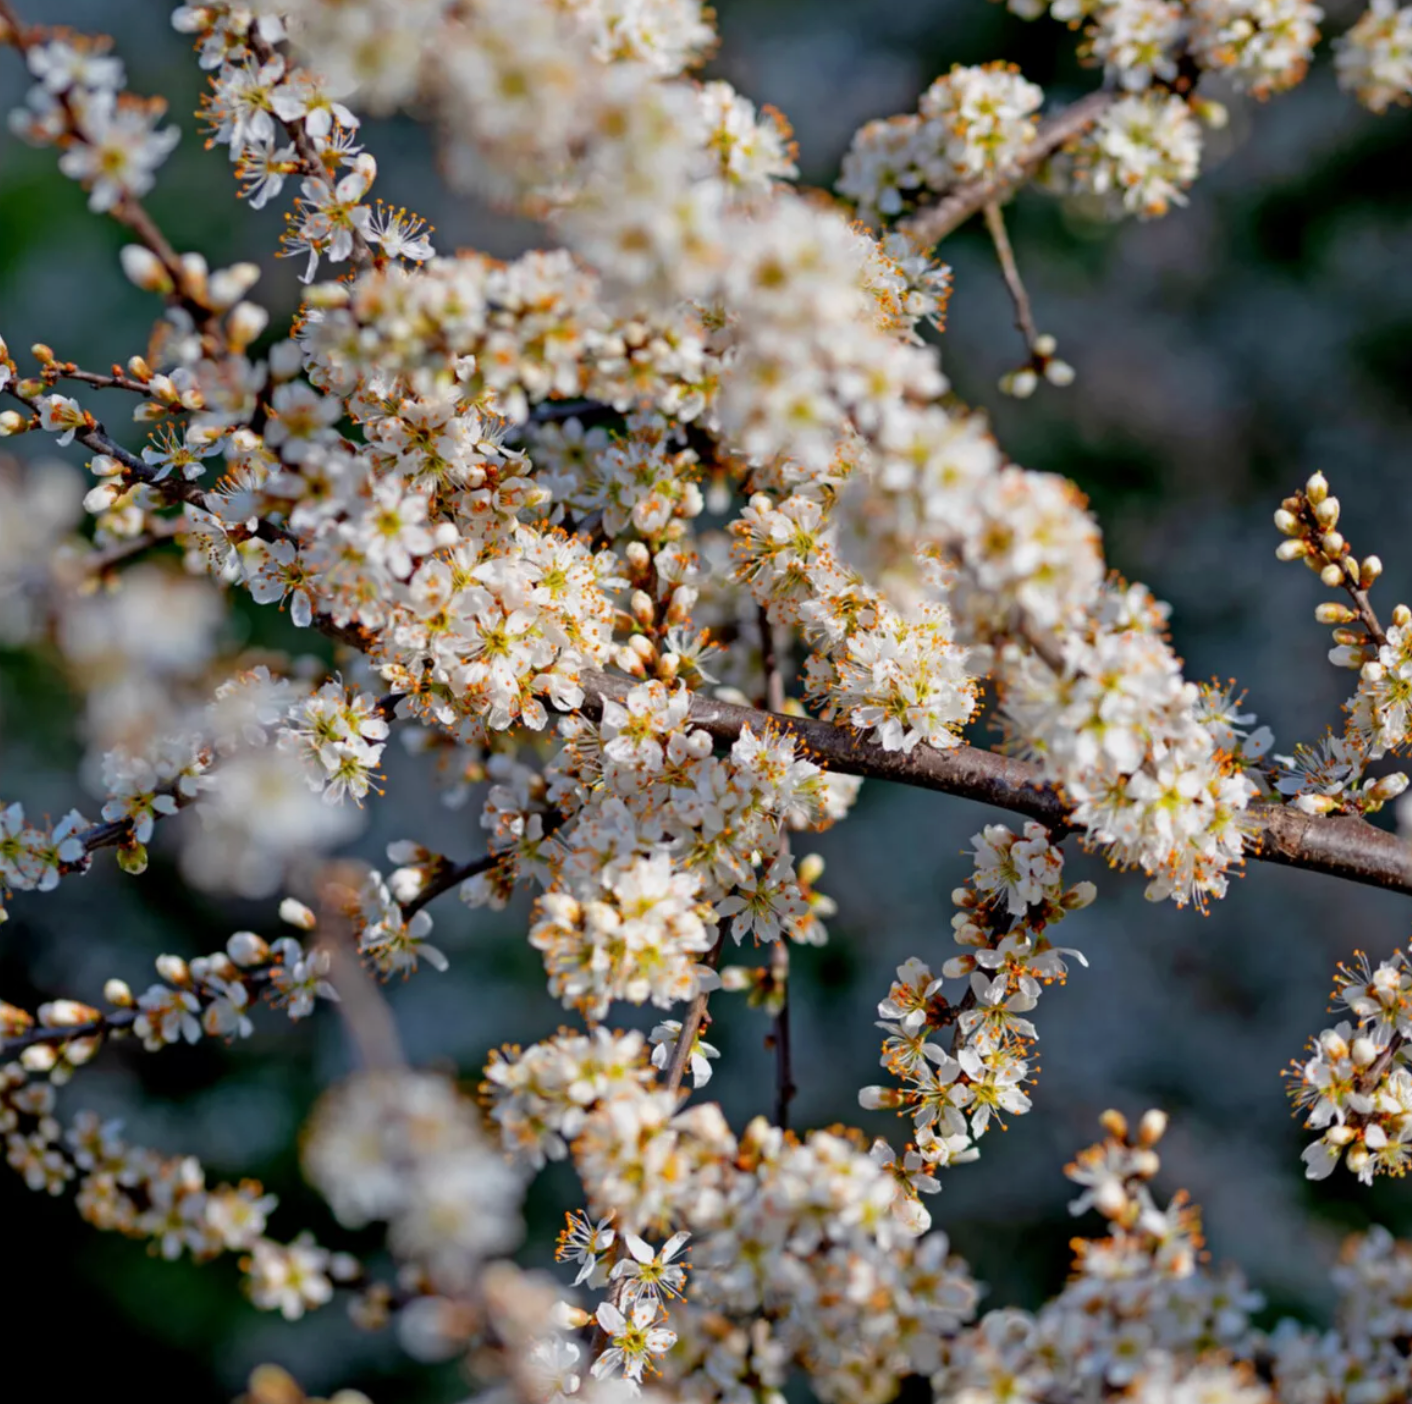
(112,140)
(973,121)
(1374,58)
(952,1095)
(1355,1088)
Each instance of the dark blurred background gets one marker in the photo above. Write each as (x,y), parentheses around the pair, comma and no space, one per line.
(1224,353)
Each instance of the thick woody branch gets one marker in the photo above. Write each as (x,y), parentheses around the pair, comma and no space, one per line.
(933,223)
(1341,846)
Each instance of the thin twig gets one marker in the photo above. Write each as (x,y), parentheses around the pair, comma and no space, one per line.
(784,1058)
(1024,315)
(690,1028)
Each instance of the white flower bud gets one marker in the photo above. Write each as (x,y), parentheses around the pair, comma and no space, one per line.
(99,499)
(1334,613)
(11,422)
(1152,1127)
(297,914)
(1401,616)
(1372,671)
(116,992)
(173,969)
(1316,489)
(64,1013)
(39,1058)
(1020,384)
(1060,373)
(1369,571)
(1363,1052)
(1388,788)
(245,322)
(1287,522)
(245,948)
(1327,513)
(1045,344)
(1291,550)
(144,269)
(1332,576)
(229,285)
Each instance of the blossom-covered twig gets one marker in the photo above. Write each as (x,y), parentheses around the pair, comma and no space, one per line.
(1341,846)
(933,223)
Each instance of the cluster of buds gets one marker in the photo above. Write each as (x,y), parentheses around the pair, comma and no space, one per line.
(1043,364)
(1309,522)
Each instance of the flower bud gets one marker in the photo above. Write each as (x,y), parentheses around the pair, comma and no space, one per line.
(229,285)
(668,666)
(11,422)
(1020,384)
(173,969)
(1372,671)
(1287,522)
(1339,1135)
(1334,613)
(1401,616)
(144,269)
(642,608)
(1332,576)
(39,1058)
(1363,1052)
(117,992)
(1358,1159)
(1045,345)
(42,353)
(1079,896)
(1388,788)
(296,914)
(880,1098)
(138,369)
(1115,1124)
(244,323)
(246,949)
(1327,513)
(1291,550)
(1332,544)
(643,647)
(99,499)
(1369,571)
(639,557)
(1152,1127)
(14,1021)
(1316,489)
(65,1014)
(1060,373)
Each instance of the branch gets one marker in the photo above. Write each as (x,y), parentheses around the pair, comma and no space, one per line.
(933,223)
(1343,846)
